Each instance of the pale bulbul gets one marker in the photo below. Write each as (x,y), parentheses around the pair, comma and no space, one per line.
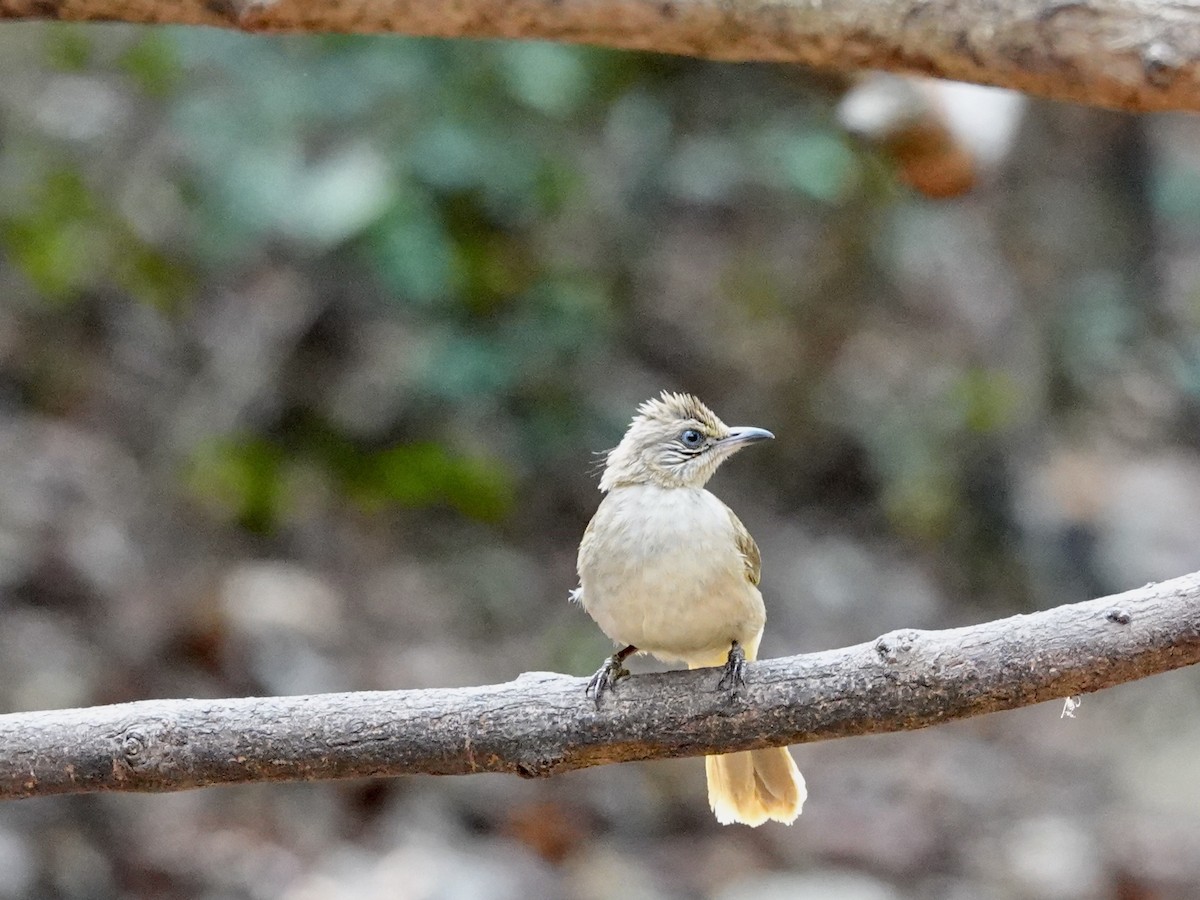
(666,568)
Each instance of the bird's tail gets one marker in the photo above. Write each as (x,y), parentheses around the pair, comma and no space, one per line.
(753,786)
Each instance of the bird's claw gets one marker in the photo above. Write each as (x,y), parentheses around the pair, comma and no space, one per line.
(733,675)
(606,677)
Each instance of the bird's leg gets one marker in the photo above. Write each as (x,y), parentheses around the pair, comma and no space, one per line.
(734,673)
(606,676)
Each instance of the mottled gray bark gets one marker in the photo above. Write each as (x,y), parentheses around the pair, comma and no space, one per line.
(542,724)
(1129,54)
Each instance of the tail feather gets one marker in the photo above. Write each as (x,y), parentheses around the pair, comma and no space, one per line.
(753,786)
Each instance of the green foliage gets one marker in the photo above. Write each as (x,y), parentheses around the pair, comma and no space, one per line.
(1175,191)
(984,401)
(438,175)
(68,240)
(414,252)
(247,479)
(551,78)
(496,240)
(427,474)
(924,440)
(815,161)
(68,48)
(153,64)
(438,180)
(61,242)
(240,480)
(442,196)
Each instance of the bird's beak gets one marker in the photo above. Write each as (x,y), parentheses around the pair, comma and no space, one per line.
(744,434)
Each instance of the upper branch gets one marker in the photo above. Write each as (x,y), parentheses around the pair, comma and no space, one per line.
(1129,54)
(541,723)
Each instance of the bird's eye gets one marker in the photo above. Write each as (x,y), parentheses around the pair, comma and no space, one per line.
(691,438)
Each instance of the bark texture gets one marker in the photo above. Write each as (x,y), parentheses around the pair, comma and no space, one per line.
(1128,54)
(542,724)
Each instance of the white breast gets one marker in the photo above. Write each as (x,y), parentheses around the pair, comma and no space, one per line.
(661,571)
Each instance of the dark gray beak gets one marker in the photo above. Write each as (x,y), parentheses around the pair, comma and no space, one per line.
(745,434)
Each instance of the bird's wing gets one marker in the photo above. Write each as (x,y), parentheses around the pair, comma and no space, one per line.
(585,543)
(585,549)
(746,547)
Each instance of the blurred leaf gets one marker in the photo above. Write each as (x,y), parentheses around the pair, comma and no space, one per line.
(68,241)
(467,364)
(68,47)
(749,283)
(239,479)
(243,479)
(506,171)
(58,244)
(414,475)
(336,198)
(551,78)
(420,475)
(639,126)
(1175,192)
(922,504)
(497,268)
(153,277)
(559,318)
(555,184)
(55,257)
(451,156)
(1184,365)
(1097,328)
(816,162)
(706,168)
(65,197)
(152,62)
(414,253)
(986,399)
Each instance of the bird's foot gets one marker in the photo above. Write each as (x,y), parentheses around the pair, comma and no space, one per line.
(733,675)
(608,675)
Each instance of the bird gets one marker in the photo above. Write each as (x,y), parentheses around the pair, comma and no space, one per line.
(666,568)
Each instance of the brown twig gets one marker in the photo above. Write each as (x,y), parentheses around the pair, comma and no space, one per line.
(1127,54)
(542,723)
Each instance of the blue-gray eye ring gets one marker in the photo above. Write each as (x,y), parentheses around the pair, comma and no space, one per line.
(692,438)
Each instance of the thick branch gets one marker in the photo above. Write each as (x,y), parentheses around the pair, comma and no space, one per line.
(542,724)
(1130,54)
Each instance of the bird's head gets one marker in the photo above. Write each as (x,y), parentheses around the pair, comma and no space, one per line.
(674,441)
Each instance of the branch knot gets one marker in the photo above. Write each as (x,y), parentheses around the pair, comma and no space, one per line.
(133,747)
(896,644)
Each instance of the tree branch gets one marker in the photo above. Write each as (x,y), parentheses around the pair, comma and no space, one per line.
(1128,54)
(541,724)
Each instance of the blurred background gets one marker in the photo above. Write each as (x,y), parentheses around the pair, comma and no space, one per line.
(308,346)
